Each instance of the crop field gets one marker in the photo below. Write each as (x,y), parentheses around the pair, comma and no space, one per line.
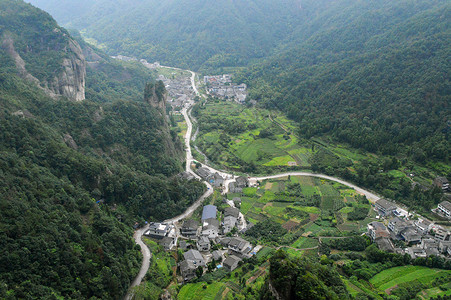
(171,73)
(297,212)
(304,242)
(390,278)
(281,147)
(435,291)
(197,290)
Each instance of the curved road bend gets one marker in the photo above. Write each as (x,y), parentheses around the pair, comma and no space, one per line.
(145,264)
(370,196)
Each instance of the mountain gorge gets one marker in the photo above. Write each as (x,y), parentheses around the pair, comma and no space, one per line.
(373,75)
(200,34)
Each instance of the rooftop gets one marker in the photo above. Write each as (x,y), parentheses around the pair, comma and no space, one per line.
(398,222)
(208,212)
(190,224)
(446,204)
(211,222)
(187,265)
(385,204)
(193,255)
(203,241)
(231,260)
(231,211)
(442,180)
(377,225)
(385,244)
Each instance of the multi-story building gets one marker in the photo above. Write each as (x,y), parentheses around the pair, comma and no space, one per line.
(444,208)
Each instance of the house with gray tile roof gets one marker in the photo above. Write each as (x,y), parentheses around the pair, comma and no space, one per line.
(396,225)
(231,211)
(444,208)
(228,224)
(385,207)
(195,257)
(217,255)
(377,230)
(188,270)
(242,182)
(231,262)
(215,179)
(410,235)
(210,228)
(189,228)
(423,226)
(203,173)
(168,243)
(203,244)
(239,245)
(234,188)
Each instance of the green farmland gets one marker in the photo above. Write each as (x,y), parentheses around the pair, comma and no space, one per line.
(305,207)
(388,280)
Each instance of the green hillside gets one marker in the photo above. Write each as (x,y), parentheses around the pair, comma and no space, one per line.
(372,74)
(75,176)
(199,34)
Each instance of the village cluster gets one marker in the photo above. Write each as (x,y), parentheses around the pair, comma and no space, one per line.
(221,86)
(179,90)
(214,239)
(423,237)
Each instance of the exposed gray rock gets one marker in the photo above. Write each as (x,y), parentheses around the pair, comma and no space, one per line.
(69,140)
(69,83)
(23,113)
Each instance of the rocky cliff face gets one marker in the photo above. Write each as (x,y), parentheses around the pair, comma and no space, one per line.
(70,82)
(156,95)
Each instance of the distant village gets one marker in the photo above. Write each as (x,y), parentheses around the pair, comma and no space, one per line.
(221,86)
(422,237)
(213,238)
(179,90)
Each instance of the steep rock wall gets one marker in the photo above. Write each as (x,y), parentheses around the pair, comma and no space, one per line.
(70,82)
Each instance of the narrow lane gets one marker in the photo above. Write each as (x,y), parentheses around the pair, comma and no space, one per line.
(145,263)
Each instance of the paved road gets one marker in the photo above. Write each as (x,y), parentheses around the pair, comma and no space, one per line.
(145,264)
(369,195)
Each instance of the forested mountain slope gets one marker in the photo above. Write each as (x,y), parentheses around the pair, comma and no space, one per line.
(372,74)
(199,34)
(75,176)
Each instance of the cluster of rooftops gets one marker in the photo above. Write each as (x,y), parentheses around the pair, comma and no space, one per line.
(422,236)
(197,240)
(216,180)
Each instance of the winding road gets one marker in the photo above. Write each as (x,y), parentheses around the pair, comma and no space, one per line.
(228,179)
(145,264)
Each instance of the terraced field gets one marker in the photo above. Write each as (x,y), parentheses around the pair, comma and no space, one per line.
(392,277)
(197,291)
(280,148)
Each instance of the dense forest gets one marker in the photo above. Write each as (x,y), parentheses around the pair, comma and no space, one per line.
(304,279)
(375,76)
(76,176)
(199,34)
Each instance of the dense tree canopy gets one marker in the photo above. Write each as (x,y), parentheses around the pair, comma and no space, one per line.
(75,176)
(373,75)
